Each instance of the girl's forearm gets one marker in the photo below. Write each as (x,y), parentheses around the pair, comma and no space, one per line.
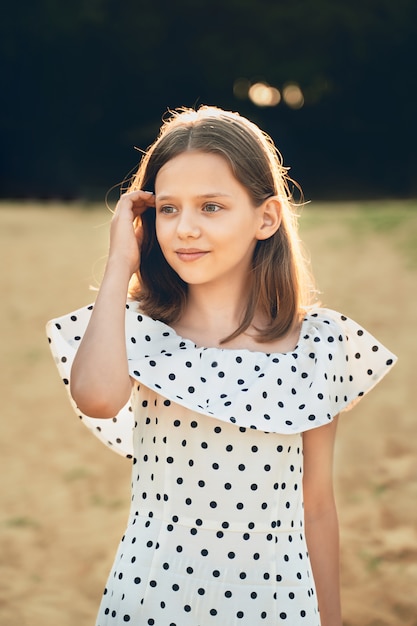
(322,534)
(100,383)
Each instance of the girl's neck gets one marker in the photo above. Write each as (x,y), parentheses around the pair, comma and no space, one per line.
(212,311)
(212,315)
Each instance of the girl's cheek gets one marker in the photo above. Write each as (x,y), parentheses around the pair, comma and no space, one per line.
(163,233)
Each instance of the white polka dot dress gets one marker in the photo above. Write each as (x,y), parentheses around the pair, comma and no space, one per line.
(215,534)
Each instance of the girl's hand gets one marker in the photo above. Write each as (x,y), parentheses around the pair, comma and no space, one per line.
(126,229)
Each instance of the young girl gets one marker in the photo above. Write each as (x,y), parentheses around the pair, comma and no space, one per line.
(222,383)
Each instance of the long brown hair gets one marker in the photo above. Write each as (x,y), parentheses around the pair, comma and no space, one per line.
(281,285)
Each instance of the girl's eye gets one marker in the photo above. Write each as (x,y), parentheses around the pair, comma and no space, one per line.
(211,208)
(167,209)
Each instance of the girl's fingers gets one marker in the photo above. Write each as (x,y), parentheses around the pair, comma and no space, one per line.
(126,232)
(138,201)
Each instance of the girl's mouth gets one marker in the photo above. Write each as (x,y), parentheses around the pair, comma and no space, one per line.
(190,254)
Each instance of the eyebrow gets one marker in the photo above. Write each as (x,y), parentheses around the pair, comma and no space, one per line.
(211,194)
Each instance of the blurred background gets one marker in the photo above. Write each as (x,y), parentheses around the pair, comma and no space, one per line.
(87,81)
(85,85)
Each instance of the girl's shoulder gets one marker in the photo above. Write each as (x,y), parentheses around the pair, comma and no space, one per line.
(319,325)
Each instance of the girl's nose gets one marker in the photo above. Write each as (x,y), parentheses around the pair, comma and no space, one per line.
(187,225)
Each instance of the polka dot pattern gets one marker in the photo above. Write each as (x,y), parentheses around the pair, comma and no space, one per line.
(220,544)
(216,530)
(335,363)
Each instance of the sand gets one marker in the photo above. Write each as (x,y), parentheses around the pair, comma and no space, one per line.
(65,497)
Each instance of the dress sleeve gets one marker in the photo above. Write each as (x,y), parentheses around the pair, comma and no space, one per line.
(64,336)
(348,357)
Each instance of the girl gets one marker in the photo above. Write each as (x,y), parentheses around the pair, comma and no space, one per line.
(222,383)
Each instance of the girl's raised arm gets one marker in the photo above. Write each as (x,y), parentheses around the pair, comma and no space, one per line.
(100,382)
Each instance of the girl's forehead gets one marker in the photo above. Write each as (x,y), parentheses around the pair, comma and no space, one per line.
(201,164)
(199,174)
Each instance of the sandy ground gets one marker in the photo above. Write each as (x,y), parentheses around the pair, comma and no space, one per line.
(65,497)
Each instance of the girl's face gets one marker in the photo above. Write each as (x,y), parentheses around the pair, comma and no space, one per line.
(206,223)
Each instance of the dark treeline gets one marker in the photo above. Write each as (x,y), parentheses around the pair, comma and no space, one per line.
(84,82)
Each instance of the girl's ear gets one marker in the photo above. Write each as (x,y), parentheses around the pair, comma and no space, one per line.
(270,215)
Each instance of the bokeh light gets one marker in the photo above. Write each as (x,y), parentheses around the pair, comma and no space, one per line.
(241,88)
(263,95)
(293,96)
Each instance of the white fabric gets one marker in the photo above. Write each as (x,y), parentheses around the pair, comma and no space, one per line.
(215,534)
(335,362)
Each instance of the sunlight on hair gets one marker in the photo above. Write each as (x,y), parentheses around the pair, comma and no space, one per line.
(293,96)
(263,95)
